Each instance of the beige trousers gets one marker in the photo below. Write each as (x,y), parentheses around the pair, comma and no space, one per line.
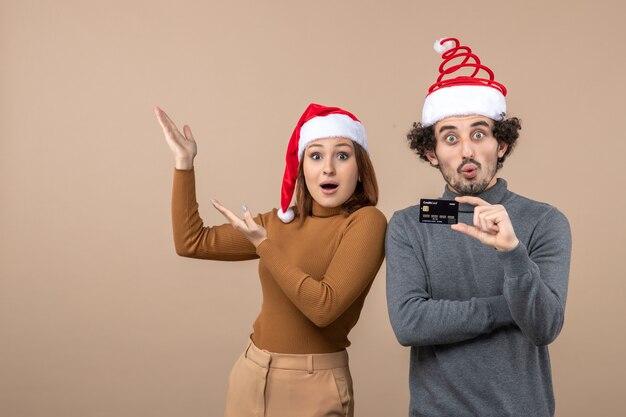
(265,384)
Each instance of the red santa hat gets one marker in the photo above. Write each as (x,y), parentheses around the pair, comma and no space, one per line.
(462,92)
(317,122)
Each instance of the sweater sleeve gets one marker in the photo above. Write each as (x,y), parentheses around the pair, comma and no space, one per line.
(191,238)
(536,278)
(350,272)
(419,320)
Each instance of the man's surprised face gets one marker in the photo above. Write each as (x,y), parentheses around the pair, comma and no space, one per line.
(466,153)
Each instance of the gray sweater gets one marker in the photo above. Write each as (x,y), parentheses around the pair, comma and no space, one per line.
(479,320)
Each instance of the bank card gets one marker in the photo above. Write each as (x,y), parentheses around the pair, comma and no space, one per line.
(439,211)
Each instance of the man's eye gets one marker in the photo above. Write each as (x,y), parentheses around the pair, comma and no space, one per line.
(450,139)
(479,135)
(342,156)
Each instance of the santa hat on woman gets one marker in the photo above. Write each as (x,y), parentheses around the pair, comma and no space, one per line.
(317,122)
(462,95)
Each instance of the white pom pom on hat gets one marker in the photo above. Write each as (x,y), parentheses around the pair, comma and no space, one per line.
(286,217)
(317,122)
(440,47)
(454,94)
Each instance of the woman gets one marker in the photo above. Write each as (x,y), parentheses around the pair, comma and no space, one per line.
(315,272)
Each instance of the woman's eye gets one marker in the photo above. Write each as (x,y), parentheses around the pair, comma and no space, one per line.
(450,139)
(315,156)
(342,156)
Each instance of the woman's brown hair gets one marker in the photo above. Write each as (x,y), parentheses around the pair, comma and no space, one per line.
(365,193)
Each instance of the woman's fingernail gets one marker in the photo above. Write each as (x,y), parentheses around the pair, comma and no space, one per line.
(213,201)
(244,208)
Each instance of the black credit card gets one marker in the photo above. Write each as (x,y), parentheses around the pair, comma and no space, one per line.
(439,211)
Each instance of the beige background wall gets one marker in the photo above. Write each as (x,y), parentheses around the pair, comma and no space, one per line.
(99,317)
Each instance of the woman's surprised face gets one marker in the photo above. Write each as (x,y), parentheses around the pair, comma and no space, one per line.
(330,171)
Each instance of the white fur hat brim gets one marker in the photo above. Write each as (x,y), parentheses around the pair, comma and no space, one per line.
(463,100)
(331,126)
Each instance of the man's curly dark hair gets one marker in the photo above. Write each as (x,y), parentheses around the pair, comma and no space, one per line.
(422,139)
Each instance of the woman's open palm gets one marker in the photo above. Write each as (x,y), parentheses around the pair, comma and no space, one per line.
(183,145)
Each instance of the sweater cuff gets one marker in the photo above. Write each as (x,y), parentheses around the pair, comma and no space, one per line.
(272,256)
(515,261)
(262,246)
(500,312)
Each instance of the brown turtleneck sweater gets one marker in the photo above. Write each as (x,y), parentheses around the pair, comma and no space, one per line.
(314,275)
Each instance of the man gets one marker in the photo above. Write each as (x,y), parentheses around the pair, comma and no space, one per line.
(478,301)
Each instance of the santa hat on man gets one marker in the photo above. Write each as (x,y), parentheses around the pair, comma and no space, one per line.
(317,122)
(459,94)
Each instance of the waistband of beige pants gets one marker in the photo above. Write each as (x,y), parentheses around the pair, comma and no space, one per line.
(307,362)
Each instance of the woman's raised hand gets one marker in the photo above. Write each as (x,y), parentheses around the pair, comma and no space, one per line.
(183,146)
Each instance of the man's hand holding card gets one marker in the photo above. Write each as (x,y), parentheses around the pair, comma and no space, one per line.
(492,225)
